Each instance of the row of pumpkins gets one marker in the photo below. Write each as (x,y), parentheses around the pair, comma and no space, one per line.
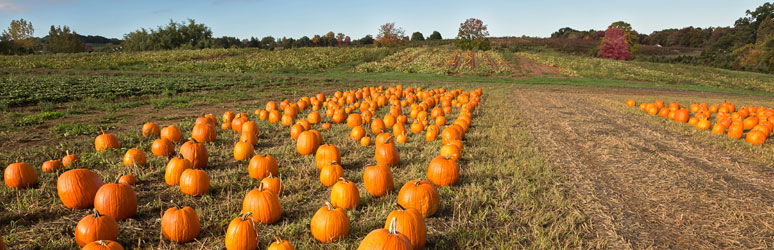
(82,188)
(757,121)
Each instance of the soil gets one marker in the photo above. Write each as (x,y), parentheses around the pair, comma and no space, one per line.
(643,186)
(528,68)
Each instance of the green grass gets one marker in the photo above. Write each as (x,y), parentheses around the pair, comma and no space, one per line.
(661,73)
(38,118)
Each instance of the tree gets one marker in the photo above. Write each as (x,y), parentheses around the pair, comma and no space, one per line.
(389,35)
(340,39)
(614,45)
(631,35)
(368,39)
(62,40)
(19,36)
(417,36)
(173,36)
(435,36)
(268,43)
(472,35)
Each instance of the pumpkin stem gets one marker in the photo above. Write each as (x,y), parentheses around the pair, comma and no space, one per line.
(279,241)
(401,207)
(333,162)
(388,139)
(193,139)
(343,180)
(330,206)
(260,186)
(418,182)
(102,243)
(97,214)
(176,205)
(392,225)
(103,131)
(248,214)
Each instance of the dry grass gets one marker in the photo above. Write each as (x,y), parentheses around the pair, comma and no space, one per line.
(508,196)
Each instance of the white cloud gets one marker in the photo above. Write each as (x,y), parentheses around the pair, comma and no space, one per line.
(10,6)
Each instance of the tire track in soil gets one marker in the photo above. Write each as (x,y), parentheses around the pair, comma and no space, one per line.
(646,187)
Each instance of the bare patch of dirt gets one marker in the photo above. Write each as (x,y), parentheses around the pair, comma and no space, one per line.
(529,68)
(644,186)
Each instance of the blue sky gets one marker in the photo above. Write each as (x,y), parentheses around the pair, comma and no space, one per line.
(296,18)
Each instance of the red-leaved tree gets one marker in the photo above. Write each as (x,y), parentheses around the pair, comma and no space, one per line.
(614,45)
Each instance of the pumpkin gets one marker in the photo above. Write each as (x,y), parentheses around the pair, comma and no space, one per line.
(329,224)
(194,182)
(204,132)
(150,129)
(440,121)
(263,204)
(95,227)
(682,115)
(228,116)
(385,239)
(51,166)
(249,138)
(127,179)
(401,138)
(345,194)
(381,138)
(314,117)
(163,147)
(242,234)
(365,141)
(419,195)
(449,133)
(357,133)
(280,244)
(736,131)
(755,137)
(330,173)
(631,103)
(326,154)
(377,126)
(70,159)
(387,154)
(134,156)
(325,126)
(296,130)
(718,129)
(237,122)
(103,245)
(172,133)
(274,116)
(175,168)
(389,120)
(272,183)
(195,152)
(443,171)
(307,143)
(262,114)
(243,150)
(750,122)
(703,124)
(663,112)
(105,141)
(378,180)
(180,224)
(20,175)
(262,166)
(271,105)
(409,222)
(354,120)
(287,120)
(116,200)
(250,127)
(76,188)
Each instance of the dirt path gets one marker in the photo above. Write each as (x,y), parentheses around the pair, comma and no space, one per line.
(647,187)
(527,68)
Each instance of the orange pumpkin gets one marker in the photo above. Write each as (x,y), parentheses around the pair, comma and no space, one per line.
(420,195)
(387,154)
(116,200)
(172,133)
(345,194)
(242,233)
(163,147)
(51,166)
(329,224)
(409,222)
(133,157)
(195,152)
(20,175)
(105,141)
(95,227)
(180,224)
(307,143)
(378,180)
(326,154)
(330,173)
(263,204)
(262,166)
(755,137)
(174,170)
(385,239)
(194,182)
(150,129)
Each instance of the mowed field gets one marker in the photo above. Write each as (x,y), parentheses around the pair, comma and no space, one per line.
(544,165)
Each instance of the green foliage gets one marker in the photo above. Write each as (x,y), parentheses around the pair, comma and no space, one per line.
(38,118)
(173,36)
(18,38)
(435,36)
(472,35)
(62,40)
(75,129)
(417,36)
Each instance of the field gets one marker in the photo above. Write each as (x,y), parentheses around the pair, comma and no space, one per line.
(553,158)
